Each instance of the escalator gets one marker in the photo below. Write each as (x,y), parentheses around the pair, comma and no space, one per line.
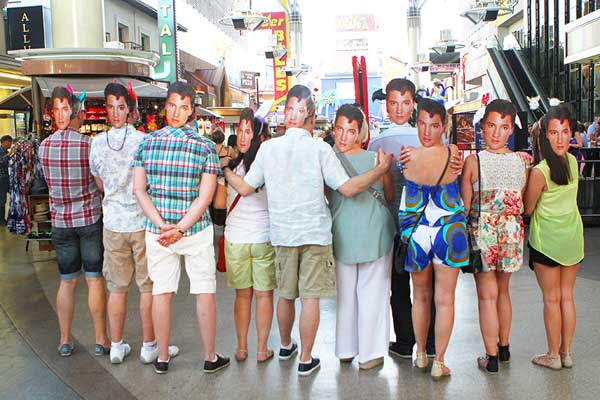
(519,81)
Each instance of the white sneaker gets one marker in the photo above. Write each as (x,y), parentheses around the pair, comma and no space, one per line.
(119,352)
(148,356)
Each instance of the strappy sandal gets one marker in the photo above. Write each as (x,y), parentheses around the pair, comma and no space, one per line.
(422,362)
(267,354)
(241,355)
(439,370)
(547,361)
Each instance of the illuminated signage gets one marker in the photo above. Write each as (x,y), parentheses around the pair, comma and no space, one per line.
(357,22)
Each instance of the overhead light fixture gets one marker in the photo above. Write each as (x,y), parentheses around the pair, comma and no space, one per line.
(275,52)
(448,46)
(242,20)
(293,71)
(489,10)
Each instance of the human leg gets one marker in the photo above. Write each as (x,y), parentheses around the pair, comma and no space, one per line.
(346,325)
(372,292)
(264,319)
(242,312)
(65,306)
(422,295)
(445,284)
(487,298)
(504,307)
(401,311)
(263,280)
(310,316)
(567,305)
(549,281)
(286,271)
(206,314)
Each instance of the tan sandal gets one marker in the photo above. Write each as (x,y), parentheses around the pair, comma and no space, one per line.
(267,354)
(241,355)
(547,361)
(422,362)
(439,370)
(566,359)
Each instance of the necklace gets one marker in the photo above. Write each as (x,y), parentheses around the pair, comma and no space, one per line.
(122,144)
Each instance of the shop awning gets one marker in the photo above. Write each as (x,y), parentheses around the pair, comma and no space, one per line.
(203,112)
(17,101)
(94,87)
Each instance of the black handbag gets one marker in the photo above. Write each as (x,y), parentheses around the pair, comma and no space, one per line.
(402,248)
(475,263)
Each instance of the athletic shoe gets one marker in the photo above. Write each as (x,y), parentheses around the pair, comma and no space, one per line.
(399,351)
(161,367)
(309,368)
(213,366)
(286,354)
(66,349)
(100,350)
(149,356)
(118,352)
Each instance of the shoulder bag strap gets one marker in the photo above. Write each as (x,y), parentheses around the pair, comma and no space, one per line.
(235,201)
(434,190)
(352,172)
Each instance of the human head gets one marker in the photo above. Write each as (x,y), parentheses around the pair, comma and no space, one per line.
(247,153)
(218,136)
(299,109)
(65,107)
(554,142)
(431,122)
(179,104)
(244,131)
(347,128)
(497,123)
(6,141)
(400,100)
(118,104)
(232,141)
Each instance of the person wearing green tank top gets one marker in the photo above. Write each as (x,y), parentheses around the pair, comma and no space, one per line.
(363,232)
(555,235)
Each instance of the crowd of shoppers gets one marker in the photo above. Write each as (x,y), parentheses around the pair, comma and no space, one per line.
(312,221)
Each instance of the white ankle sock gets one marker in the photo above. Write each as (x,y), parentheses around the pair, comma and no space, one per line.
(289,346)
(116,344)
(149,345)
(159,360)
(307,362)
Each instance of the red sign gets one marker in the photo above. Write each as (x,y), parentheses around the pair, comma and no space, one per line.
(278,24)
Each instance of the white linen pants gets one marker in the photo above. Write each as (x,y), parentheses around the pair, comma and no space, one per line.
(363,309)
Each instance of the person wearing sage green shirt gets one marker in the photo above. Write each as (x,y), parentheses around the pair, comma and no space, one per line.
(556,235)
(363,237)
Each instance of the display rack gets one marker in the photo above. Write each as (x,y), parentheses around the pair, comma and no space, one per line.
(41,224)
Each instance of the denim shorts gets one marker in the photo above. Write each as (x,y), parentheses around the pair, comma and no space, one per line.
(77,247)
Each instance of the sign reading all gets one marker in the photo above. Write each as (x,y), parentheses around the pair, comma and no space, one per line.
(25,28)
(166,70)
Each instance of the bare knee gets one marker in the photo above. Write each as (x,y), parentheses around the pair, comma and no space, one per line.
(566,295)
(552,297)
(245,294)
(69,283)
(444,299)
(263,294)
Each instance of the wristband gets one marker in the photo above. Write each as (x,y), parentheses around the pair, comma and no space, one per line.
(161,225)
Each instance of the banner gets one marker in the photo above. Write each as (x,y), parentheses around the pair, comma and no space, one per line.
(278,25)
(166,70)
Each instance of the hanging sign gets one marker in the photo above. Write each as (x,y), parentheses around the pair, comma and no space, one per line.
(278,24)
(166,70)
(25,27)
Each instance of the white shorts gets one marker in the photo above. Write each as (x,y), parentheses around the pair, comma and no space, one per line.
(164,265)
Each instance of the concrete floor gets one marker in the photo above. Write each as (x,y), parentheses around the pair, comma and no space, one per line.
(31,368)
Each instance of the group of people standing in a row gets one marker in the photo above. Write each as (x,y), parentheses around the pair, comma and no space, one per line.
(308,219)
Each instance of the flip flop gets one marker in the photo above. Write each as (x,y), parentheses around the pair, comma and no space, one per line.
(241,355)
(267,354)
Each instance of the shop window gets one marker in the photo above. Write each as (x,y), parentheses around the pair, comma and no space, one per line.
(145,42)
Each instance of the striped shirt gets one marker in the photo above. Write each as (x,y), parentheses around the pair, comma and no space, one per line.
(174,160)
(74,196)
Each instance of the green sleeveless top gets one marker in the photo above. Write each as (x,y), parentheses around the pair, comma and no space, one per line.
(363,229)
(556,229)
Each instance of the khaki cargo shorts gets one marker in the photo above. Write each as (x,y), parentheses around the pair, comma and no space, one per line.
(124,258)
(305,271)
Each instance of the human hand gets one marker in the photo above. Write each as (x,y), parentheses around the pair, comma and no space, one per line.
(457,162)
(225,161)
(404,156)
(169,235)
(525,157)
(384,160)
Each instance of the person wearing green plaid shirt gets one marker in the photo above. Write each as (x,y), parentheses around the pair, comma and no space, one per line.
(175,175)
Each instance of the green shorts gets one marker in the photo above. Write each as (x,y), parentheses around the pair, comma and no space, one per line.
(250,265)
(305,271)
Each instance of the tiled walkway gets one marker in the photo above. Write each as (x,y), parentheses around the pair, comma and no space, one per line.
(31,368)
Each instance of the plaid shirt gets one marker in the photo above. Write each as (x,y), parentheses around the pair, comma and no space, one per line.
(174,160)
(74,196)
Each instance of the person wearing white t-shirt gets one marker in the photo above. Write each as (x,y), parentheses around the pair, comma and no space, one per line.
(124,235)
(249,256)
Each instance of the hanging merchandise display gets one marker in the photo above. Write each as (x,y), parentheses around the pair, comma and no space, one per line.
(21,172)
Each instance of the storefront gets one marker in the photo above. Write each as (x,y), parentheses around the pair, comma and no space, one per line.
(15,108)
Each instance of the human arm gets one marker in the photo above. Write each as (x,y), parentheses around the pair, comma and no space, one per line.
(359,183)
(536,185)
(99,183)
(140,190)
(237,182)
(468,178)
(578,141)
